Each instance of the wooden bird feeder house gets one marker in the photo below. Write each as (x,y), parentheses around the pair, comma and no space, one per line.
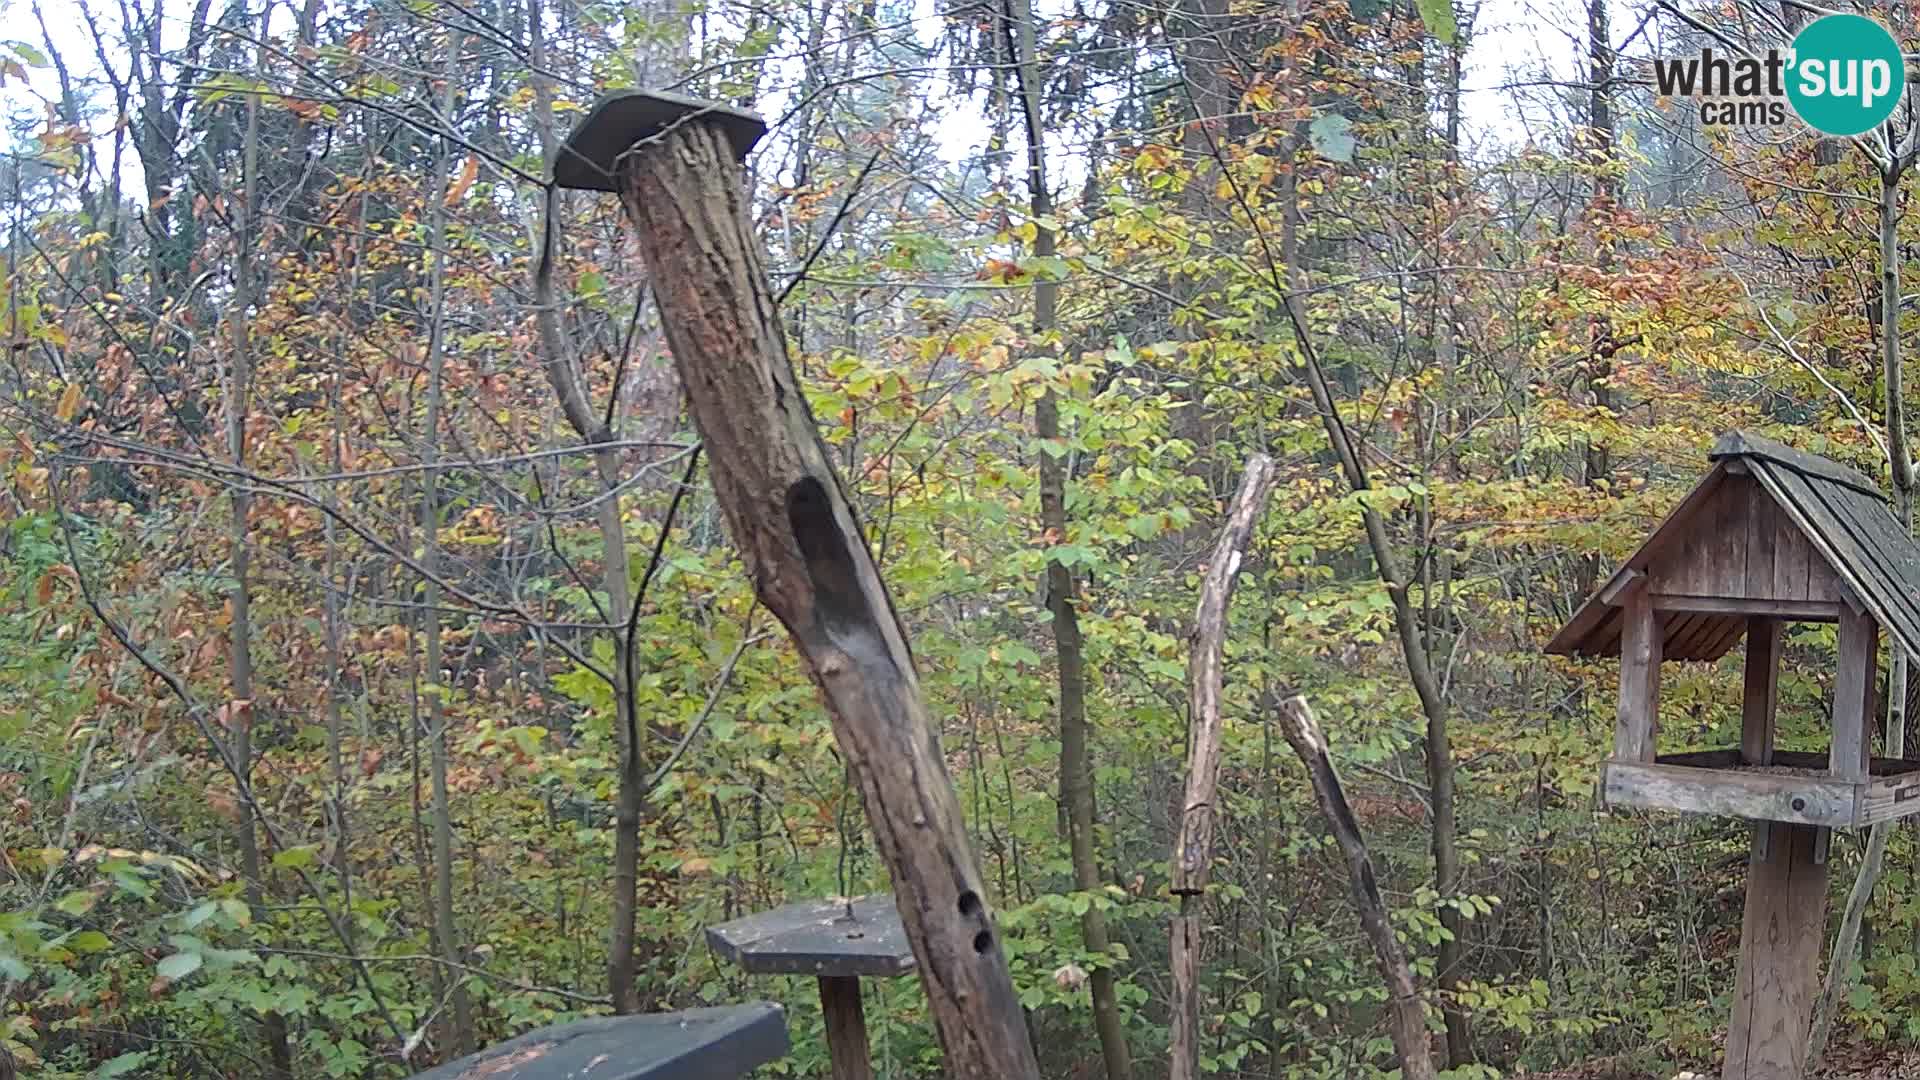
(1770,536)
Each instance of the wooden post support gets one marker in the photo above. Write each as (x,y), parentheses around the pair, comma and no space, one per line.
(810,565)
(1759,702)
(1761,696)
(1779,974)
(1853,680)
(846,1022)
(1637,722)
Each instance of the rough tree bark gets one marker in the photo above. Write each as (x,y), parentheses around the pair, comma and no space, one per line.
(1843,966)
(810,565)
(1193,848)
(1407,1016)
(1076,759)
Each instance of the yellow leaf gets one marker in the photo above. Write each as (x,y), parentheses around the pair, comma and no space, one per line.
(69,403)
(468,173)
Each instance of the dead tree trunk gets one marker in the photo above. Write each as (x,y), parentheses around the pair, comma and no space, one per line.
(1406,1016)
(810,565)
(1193,848)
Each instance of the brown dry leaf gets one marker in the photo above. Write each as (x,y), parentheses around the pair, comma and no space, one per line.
(69,403)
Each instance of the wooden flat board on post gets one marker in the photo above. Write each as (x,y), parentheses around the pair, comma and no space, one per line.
(837,941)
(818,937)
(720,1044)
(808,558)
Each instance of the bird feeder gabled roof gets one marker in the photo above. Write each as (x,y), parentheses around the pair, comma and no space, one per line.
(1769,531)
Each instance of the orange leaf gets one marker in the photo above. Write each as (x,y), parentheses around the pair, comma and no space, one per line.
(468,173)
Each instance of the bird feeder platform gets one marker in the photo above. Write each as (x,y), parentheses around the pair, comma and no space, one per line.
(1795,788)
(718,1043)
(1771,536)
(818,937)
(837,942)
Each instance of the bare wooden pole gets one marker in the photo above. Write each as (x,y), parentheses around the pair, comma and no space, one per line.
(1406,1016)
(1193,848)
(1779,973)
(810,565)
(846,1022)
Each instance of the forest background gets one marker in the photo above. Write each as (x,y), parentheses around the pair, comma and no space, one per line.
(377,681)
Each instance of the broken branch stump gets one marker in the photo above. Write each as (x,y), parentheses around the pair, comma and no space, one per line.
(1406,1014)
(1193,848)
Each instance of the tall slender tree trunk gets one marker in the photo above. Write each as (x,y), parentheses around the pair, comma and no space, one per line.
(1599,137)
(1076,771)
(570,388)
(1444,841)
(240,712)
(446,927)
(1843,965)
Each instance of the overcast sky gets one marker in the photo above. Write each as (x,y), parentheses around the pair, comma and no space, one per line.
(1516,44)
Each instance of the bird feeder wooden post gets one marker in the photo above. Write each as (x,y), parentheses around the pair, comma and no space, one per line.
(835,941)
(675,162)
(1770,536)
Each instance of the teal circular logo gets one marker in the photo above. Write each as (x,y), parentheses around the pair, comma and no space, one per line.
(1845,74)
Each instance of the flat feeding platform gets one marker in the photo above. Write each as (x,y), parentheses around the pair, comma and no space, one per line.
(718,1043)
(816,937)
(1795,788)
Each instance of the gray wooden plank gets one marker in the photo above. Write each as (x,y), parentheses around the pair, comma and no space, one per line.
(720,1043)
(1807,800)
(1791,553)
(1760,694)
(1852,691)
(1636,719)
(1763,522)
(1725,553)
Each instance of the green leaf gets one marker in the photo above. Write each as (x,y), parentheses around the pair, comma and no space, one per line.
(294,858)
(34,57)
(124,1065)
(89,941)
(238,911)
(1438,15)
(179,965)
(199,915)
(1332,136)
